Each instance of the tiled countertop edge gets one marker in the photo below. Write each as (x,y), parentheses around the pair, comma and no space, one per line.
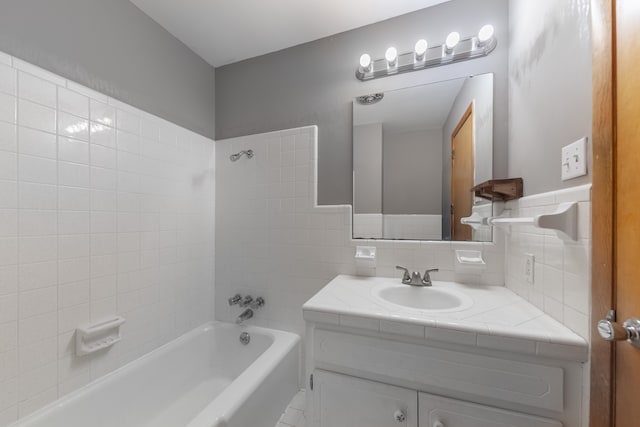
(559,348)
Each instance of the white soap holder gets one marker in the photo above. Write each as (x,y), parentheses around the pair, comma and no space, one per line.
(469,261)
(92,337)
(366,253)
(365,256)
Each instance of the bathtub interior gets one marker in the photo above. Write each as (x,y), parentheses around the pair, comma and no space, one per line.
(167,387)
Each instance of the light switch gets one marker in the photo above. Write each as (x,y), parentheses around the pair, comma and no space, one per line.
(574,159)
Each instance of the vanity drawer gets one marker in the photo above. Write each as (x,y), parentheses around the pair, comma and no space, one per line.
(430,368)
(436,411)
(345,401)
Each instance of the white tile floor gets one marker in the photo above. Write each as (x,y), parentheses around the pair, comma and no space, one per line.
(294,415)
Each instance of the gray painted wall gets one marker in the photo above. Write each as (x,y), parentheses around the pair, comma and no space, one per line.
(412,179)
(549,89)
(314,83)
(367,169)
(478,90)
(113,47)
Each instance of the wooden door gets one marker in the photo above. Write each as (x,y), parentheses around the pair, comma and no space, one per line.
(615,373)
(344,401)
(462,170)
(627,208)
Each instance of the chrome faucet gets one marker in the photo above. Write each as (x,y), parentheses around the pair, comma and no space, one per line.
(247,301)
(245,315)
(415,279)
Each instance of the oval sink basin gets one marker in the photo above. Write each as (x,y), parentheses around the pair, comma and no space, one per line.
(424,298)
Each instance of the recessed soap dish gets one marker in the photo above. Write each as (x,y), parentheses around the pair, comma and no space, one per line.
(95,336)
(367,253)
(467,260)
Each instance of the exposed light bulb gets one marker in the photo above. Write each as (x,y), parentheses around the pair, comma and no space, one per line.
(485,34)
(365,62)
(391,55)
(452,40)
(420,49)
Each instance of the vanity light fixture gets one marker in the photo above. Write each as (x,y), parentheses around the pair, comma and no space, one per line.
(366,63)
(391,55)
(454,49)
(420,49)
(485,35)
(452,41)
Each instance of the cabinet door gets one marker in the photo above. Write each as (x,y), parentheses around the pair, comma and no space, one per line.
(436,411)
(344,401)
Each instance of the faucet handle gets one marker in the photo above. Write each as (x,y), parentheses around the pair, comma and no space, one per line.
(246,301)
(258,303)
(235,299)
(406,277)
(426,278)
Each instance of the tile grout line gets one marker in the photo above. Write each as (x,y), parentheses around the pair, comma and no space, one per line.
(18,230)
(57,112)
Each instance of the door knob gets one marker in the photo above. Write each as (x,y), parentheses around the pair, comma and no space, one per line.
(610,330)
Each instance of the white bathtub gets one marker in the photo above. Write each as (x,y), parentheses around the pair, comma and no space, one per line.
(205,378)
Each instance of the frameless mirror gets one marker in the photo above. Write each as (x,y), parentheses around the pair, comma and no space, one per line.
(417,152)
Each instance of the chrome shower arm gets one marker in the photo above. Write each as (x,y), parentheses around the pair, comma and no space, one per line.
(236,156)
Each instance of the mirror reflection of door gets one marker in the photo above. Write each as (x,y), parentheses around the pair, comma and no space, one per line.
(462,168)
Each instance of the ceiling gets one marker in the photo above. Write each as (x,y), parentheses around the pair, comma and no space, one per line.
(423,107)
(226,31)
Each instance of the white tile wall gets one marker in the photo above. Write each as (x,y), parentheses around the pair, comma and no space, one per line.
(104,210)
(562,276)
(273,241)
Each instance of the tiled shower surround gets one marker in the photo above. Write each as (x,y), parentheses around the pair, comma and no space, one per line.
(104,210)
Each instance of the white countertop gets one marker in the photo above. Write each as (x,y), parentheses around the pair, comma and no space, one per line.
(498,318)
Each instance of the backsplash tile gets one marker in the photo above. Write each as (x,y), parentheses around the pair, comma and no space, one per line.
(562,279)
(98,216)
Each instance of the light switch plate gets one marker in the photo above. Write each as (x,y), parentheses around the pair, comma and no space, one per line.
(574,159)
(529,267)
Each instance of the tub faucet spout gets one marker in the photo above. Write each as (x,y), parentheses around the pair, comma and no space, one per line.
(245,315)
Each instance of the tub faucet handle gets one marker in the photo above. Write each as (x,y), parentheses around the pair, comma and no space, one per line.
(258,303)
(234,300)
(246,301)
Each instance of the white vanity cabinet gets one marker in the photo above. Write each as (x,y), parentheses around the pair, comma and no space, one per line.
(369,364)
(344,401)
